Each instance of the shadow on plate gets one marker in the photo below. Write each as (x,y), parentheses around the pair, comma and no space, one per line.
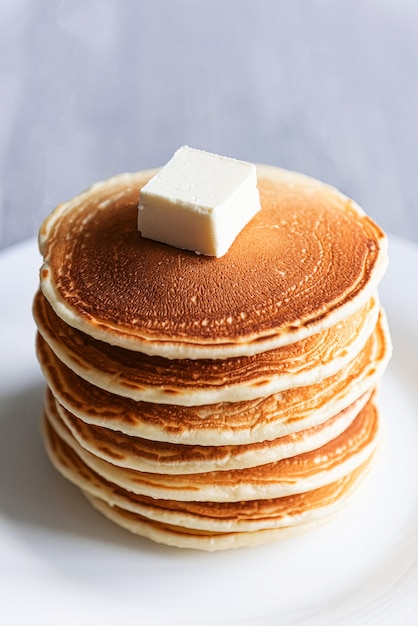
(34,496)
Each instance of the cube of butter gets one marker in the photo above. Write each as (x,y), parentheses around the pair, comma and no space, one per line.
(199,201)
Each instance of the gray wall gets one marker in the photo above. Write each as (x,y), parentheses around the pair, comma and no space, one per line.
(89,88)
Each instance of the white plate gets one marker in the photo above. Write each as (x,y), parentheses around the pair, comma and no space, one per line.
(60,561)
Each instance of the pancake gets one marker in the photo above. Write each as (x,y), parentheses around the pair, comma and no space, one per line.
(149,456)
(309,259)
(289,476)
(224,423)
(300,510)
(191,383)
(244,516)
(179,537)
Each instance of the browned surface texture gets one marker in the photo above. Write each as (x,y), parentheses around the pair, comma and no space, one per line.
(135,370)
(306,253)
(359,436)
(196,513)
(131,452)
(223,422)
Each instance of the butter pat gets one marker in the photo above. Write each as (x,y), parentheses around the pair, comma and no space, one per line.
(199,201)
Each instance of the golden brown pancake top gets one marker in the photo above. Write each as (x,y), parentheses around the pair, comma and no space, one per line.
(309,251)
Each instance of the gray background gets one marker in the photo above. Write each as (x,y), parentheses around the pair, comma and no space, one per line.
(90,88)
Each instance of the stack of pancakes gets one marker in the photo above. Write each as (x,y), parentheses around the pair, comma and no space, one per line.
(213,403)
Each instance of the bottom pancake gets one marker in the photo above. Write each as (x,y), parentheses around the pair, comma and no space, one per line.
(178,537)
(182,537)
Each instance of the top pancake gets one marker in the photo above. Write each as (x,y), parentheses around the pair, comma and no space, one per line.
(308,259)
